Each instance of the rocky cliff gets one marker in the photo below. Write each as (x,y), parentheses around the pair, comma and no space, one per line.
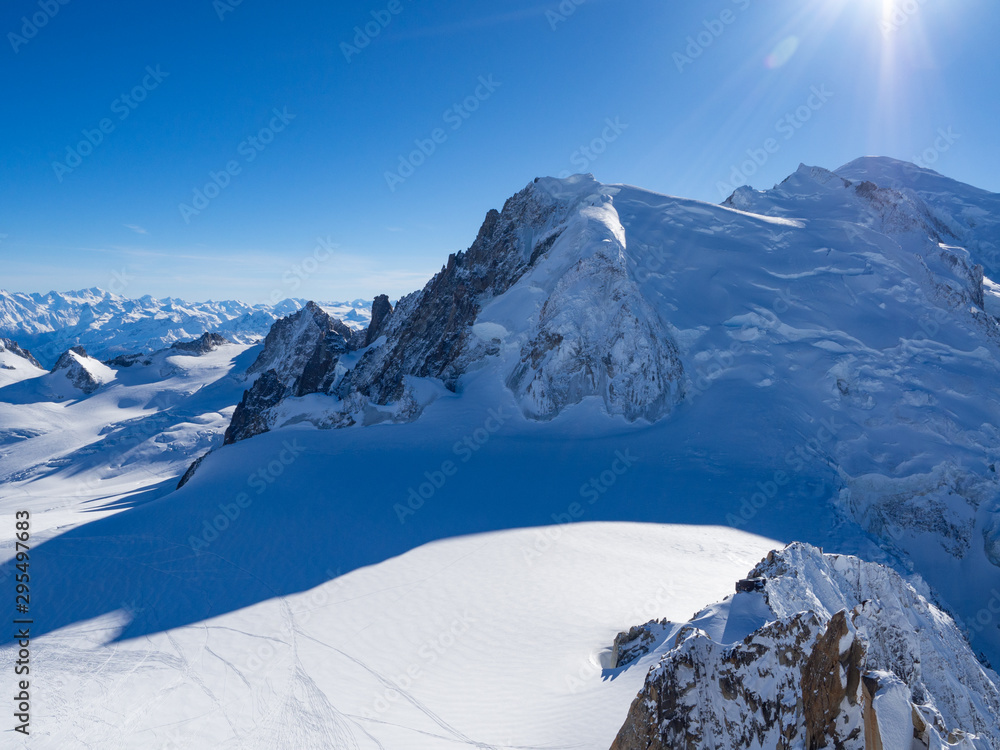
(83,372)
(844,654)
(7,345)
(593,334)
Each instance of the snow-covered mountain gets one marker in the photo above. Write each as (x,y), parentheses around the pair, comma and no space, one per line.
(93,437)
(833,310)
(108,324)
(552,265)
(82,371)
(815,362)
(16,363)
(814,650)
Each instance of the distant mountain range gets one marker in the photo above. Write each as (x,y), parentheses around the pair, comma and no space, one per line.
(108,324)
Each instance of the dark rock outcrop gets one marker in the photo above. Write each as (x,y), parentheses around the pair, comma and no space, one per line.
(129,360)
(12,346)
(427,335)
(703,695)
(191,470)
(637,641)
(66,359)
(429,332)
(251,416)
(208,342)
(301,355)
(71,362)
(303,350)
(381,309)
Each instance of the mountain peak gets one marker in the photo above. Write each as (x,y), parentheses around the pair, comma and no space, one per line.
(83,371)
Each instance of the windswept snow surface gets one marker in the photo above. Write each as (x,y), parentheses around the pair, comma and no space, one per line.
(491,641)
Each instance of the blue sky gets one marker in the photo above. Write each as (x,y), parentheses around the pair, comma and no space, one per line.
(303,123)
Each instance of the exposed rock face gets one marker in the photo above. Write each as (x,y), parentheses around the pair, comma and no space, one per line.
(252,415)
(129,360)
(854,659)
(83,371)
(381,309)
(594,336)
(208,342)
(301,355)
(705,695)
(637,641)
(13,348)
(429,332)
(191,470)
(303,349)
(831,676)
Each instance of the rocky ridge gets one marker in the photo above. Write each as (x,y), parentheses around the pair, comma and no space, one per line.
(12,346)
(619,350)
(83,371)
(847,656)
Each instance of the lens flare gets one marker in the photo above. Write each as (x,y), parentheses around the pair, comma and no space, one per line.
(782,53)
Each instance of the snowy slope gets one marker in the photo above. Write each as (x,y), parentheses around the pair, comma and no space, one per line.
(968,214)
(72,453)
(810,363)
(490,641)
(16,363)
(108,324)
